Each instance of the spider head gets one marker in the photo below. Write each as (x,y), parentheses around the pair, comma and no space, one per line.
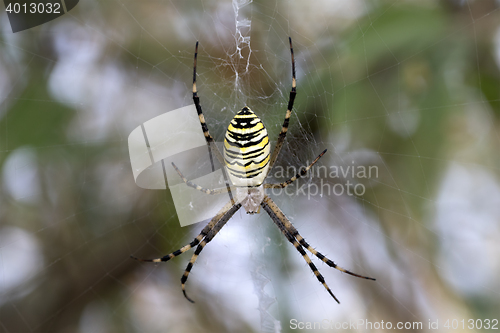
(250,198)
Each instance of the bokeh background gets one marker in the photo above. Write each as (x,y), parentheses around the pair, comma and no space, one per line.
(412,87)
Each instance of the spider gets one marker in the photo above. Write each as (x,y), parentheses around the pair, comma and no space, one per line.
(248,161)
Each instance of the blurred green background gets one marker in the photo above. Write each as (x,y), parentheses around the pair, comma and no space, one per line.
(412,87)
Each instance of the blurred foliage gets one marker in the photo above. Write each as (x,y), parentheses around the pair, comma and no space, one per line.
(398,80)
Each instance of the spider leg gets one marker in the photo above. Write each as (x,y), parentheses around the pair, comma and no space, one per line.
(297,176)
(210,140)
(276,216)
(197,239)
(288,114)
(198,187)
(291,229)
(211,234)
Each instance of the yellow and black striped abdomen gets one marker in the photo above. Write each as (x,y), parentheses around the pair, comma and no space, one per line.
(246,149)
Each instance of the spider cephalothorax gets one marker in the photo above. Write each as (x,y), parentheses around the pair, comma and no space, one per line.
(248,160)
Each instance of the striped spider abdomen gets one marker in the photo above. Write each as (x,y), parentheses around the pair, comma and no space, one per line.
(246,149)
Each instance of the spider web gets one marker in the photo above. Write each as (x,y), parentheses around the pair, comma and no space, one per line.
(408,88)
